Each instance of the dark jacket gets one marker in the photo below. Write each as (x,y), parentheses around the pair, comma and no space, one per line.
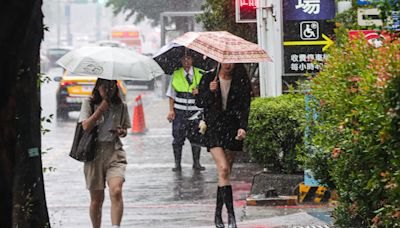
(222,125)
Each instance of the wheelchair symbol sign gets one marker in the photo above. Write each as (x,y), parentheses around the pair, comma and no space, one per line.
(309,30)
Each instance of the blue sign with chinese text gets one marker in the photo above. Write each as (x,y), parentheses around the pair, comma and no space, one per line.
(309,9)
(396,21)
(369,2)
(363,2)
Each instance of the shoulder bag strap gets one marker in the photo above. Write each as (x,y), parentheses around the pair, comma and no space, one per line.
(91,106)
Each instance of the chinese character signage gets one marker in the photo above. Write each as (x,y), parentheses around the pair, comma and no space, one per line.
(307,34)
(309,6)
(309,9)
(246,11)
(303,62)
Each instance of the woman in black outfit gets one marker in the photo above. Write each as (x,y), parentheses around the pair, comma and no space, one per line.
(225,96)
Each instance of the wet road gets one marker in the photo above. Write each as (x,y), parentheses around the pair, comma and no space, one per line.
(154,196)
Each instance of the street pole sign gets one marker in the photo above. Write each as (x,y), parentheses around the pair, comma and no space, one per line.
(369,17)
(372,17)
(306,34)
(246,11)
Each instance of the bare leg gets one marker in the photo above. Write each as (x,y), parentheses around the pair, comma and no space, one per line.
(96,205)
(117,204)
(230,156)
(223,165)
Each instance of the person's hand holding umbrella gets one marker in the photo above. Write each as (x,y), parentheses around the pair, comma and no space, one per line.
(105,92)
(214,85)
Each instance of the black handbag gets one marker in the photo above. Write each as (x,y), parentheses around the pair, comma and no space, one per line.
(84,145)
(193,134)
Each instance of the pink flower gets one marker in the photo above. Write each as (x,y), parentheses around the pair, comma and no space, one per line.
(396,214)
(384,174)
(355,79)
(341,128)
(376,220)
(336,152)
(391,185)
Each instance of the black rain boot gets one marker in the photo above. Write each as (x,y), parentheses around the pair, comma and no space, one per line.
(228,200)
(178,157)
(196,158)
(218,209)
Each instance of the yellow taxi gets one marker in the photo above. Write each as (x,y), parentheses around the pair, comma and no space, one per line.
(73,89)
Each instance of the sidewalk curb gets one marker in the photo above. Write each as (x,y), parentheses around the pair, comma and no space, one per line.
(297,220)
(272,201)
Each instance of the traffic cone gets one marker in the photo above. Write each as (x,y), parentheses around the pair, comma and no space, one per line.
(138,122)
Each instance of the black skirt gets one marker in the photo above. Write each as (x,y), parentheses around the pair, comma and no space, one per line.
(221,132)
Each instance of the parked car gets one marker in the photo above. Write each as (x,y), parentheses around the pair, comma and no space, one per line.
(111,43)
(73,89)
(149,84)
(54,54)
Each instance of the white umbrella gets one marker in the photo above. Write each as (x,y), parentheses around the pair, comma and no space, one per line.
(110,63)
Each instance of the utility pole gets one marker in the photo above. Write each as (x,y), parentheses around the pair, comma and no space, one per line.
(269,31)
(98,20)
(165,15)
(68,22)
(58,22)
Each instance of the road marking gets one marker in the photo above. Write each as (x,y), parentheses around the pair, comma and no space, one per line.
(162,165)
(150,136)
(134,205)
(311,226)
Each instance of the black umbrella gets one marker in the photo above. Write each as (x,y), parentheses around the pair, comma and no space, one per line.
(169,58)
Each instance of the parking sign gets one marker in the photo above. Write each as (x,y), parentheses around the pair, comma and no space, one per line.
(306,34)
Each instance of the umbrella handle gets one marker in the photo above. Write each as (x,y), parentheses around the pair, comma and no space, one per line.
(218,67)
(216,74)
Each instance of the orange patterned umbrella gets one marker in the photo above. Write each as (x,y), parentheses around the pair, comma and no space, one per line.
(223,47)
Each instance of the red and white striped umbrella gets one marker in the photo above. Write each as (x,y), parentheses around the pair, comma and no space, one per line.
(223,47)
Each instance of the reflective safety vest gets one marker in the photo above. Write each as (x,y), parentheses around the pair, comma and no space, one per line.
(184,99)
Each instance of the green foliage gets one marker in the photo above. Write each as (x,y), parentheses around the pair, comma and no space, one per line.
(356,137)
(45,119)
(42,78)
(28,206)
(50,169)
(387,7)
(152,9)
(219,15)
(317,162)
(275,129)
(348,19)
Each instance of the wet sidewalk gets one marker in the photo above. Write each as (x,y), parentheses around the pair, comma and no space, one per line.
(154,196)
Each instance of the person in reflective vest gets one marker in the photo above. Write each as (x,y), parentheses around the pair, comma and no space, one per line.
(181,92)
